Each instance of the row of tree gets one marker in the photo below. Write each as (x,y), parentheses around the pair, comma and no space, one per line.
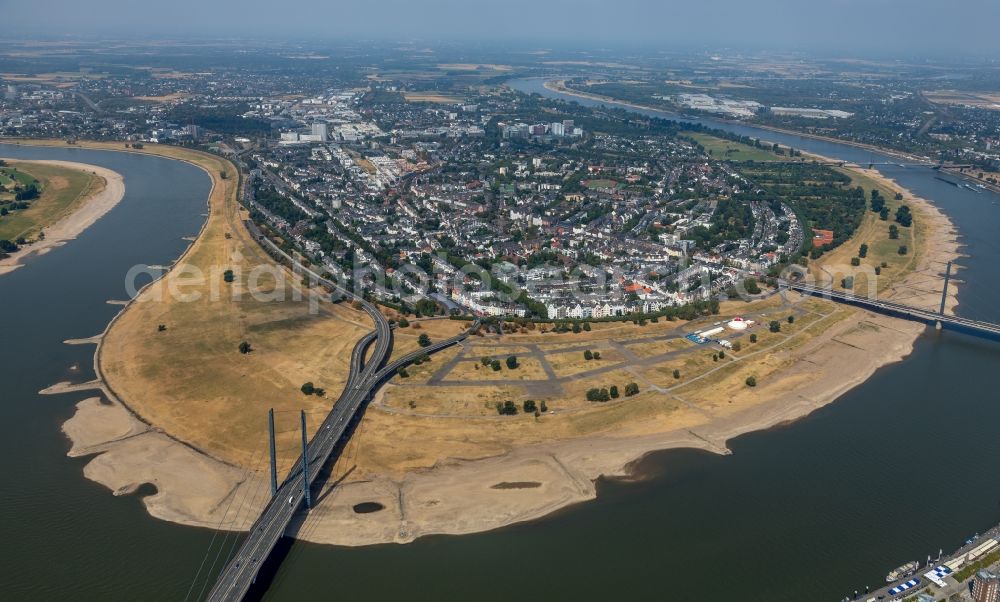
(609,393)
(509,408)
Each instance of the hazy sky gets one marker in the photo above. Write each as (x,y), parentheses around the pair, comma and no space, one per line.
(859,26)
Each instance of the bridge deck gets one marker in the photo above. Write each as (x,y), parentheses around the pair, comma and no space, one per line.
(975,327)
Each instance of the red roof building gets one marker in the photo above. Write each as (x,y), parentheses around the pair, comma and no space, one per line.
(822,237)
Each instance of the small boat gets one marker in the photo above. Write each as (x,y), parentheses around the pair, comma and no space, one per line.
(902,571)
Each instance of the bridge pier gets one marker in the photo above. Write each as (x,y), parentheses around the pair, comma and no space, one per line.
(305,462)
(274,460)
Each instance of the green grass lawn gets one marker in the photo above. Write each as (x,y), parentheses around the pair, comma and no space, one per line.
(62,191)
(10,177)
(726,150)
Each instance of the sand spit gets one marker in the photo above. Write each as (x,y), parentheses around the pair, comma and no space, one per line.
(67,387)
(72,225)
(191,487)
(94,340)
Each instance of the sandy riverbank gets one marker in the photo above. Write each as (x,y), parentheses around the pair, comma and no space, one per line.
(72,225)
(458,496)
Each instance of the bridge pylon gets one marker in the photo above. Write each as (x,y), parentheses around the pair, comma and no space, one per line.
(305,462)
(274,459)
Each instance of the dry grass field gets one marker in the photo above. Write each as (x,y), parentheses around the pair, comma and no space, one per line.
(191,380)
(981,100)
(458,419)
(432,97)
(407,339)
(571,363)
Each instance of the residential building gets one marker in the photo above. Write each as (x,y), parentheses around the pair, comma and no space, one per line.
(986,587)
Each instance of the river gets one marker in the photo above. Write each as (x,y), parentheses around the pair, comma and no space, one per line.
(895,469)
(67,538)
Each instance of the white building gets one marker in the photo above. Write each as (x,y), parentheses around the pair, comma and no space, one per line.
(319,129)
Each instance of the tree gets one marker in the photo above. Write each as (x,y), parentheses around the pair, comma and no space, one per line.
(596,394)
(308,388)
(403,323)
(737,346)
(529,406)
(424,340)
(507,408)
(485,360)
(631,389)
(903,216)
(775,326)
(495,364)
(753,338)
(245,348)
(884,214)
(751,287)
(588,355)
(903,250)
(722,355)
(402,372)
(161,327)
(576,327)
(511,362)
(878,203)
(677,373)
(791,319)
(613,391)
(893,232)
(751,381)
(542,407)
(863,251)
(586,326)
(597,355)
(228,276)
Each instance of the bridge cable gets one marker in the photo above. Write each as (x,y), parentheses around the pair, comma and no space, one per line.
(248,517)
(211,543)
(222,545)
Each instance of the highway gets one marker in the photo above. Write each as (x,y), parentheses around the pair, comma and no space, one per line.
(364,379)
